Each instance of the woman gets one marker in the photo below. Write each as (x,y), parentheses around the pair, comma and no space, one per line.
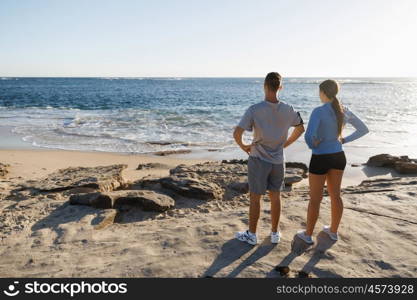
(328,161)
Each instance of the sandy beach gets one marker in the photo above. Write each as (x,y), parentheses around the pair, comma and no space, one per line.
(43,235)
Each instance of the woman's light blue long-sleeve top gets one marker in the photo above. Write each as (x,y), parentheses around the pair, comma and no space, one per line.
(322,126)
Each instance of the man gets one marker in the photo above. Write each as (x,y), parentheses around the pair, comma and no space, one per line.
(270,121)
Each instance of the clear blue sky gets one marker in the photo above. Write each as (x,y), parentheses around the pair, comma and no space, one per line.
(208,38)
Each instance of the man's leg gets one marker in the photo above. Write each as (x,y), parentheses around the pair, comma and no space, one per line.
(275,183)
(275,197)
(254,211)
(257,177)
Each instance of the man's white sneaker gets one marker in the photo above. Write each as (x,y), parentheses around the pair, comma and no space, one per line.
(334,236)
(306,238)
(275,237)
(246,236)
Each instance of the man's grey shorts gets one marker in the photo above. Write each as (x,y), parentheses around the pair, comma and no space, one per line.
(263,175)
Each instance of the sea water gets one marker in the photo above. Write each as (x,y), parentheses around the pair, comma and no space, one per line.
(144,115)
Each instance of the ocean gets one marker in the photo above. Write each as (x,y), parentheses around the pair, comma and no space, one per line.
(144,115)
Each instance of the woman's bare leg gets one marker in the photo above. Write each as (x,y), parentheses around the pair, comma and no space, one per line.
(316,195)
(334,182)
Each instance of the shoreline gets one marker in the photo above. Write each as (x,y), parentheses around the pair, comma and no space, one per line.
(30,164)
(20,155)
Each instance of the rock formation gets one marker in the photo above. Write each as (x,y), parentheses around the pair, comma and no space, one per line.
(103,178)
(401,164)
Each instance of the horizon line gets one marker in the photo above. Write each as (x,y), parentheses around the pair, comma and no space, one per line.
(136,77)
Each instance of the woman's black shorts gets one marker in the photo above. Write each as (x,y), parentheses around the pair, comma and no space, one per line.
(321,163)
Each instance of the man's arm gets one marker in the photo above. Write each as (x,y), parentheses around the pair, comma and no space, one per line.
(296,133)
(237,134)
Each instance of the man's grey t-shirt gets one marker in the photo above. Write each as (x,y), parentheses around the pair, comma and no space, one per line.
(270,123)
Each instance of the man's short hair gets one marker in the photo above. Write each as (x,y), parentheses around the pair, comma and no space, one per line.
(273,81)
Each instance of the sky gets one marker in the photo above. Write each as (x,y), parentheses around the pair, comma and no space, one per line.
(226,38)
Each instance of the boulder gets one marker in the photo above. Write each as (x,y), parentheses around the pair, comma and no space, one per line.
(406,167)
(146,199)
(103,178)
(196,188)
(401,164)
(386,160)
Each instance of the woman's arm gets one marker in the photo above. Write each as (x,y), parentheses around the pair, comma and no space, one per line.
(360,128)
(313,125)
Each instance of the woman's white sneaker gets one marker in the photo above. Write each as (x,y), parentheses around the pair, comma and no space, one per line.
(275,237)
(334,236)
(306,238)
(246,236)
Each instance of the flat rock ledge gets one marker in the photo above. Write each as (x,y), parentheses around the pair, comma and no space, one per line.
(102,178)
(146,199)
(401,164)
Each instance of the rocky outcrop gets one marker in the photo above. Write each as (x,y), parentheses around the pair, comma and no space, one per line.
(4,169)
(146,199)
(401,164)
(228,172)
(103,178)
(385,160)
